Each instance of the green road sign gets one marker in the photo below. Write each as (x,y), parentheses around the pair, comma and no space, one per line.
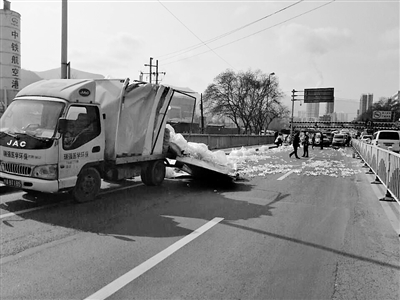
(318,95)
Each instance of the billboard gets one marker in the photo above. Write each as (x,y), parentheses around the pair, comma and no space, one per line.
(381,115)
(318,95)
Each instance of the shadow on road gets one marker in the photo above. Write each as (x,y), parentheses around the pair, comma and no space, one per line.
(293,240)
(149,211)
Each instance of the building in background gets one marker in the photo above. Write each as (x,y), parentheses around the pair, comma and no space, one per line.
(330,108)
(365,103)
(326,118)
(302,115)
(395,96)
(10,55)
(339,117)
(312,111)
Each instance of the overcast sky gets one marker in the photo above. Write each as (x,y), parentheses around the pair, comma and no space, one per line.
(352,46)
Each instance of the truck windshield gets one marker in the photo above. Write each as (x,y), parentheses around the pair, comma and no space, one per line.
(37,118)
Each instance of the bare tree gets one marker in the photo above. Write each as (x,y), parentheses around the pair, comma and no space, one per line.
(250,99)
(223,97)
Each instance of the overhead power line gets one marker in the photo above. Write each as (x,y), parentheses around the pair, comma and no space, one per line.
(257,32)
(196,35)
(185,50)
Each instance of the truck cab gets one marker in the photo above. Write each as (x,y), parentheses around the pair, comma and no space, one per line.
(48,133)
(68,134)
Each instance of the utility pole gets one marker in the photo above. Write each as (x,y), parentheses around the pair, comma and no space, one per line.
(151,70)
(158,72)
(150,67)
(291,121)
(64,39)
(201,113)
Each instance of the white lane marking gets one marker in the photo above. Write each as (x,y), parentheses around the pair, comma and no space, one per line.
(19,212)
(286,175)
(290,172)
(128,277)
(103,192)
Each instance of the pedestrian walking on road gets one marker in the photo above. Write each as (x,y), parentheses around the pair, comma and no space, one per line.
(313,140)
(279,140)
(322,141)
(305,145)
(296,145)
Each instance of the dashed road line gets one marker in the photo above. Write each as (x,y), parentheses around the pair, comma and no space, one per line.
(286,175)
(292,171)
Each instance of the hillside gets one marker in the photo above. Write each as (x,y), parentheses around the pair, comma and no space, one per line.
(28,77)
(75,74)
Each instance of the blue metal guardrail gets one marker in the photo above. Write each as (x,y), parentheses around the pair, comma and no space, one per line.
(384,164)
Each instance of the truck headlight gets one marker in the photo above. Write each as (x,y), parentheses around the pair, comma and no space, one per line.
(45,172)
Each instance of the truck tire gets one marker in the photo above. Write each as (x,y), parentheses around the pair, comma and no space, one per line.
(153,173)
(87,186)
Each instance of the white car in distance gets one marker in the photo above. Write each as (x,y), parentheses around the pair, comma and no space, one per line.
(387,139)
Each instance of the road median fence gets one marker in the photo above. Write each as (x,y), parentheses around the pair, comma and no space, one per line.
(384,164)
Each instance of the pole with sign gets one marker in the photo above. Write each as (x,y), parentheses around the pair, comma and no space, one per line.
(10,53)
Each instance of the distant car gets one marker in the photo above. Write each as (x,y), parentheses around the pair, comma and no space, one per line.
(366,138)
(326,141)
(386,139)
(339,139)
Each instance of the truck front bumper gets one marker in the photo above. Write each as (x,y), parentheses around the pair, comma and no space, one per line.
(29,183)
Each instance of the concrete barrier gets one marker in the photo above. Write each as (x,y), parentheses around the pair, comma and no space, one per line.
(384,163)
(222,141)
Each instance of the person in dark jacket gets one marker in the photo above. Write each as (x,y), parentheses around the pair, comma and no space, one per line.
(296,145)
(322,141)
(306,143)
(313,140)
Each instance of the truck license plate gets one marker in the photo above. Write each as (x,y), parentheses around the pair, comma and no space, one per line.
(13,183)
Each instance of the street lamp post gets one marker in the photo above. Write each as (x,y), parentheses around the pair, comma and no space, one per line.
(64,39)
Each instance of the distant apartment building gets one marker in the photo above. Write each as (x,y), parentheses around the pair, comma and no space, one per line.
(395,96)
(312,110)
(330,108)
(325,118)
(302,115)
(365,103)
(339,117)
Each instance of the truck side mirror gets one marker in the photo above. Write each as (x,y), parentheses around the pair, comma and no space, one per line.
(62,125)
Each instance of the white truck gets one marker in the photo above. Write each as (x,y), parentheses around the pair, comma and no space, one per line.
(69,134)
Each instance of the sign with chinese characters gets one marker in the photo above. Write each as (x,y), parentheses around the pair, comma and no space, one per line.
(19,155)
(319,95)
(10,50)
(381,115)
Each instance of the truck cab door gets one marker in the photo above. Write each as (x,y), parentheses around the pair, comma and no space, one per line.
(81,143)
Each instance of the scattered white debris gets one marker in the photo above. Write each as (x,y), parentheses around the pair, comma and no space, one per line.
(245,161)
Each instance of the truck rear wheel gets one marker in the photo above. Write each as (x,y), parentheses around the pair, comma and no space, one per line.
(153,173)
(87,186)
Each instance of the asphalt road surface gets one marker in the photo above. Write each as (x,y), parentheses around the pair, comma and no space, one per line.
(310,228)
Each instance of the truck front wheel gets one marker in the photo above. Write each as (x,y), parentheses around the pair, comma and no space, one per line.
(87,186)
(153,173)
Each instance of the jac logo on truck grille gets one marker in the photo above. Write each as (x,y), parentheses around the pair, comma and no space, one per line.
(12,143)
(84,92)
